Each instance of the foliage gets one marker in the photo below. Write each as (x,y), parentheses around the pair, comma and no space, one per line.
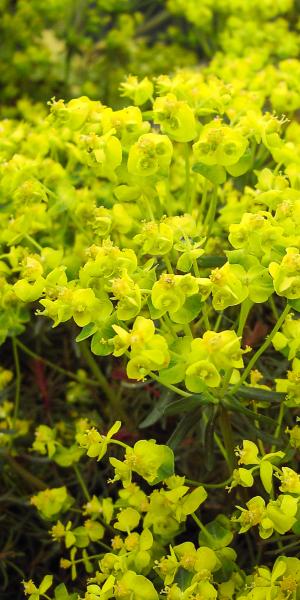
(150,280)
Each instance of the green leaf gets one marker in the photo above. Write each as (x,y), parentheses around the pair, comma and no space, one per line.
(86,332)
(65,457)
(184,426)
(114,429)
(156,413)
(183,578)
(184,262)
(127,519)
(260,394)
(155,313)
(279,569)
(189,311)
(266,475)
(82,538)
(183,405)
(46,584)
(173,374)
(234,405)
(210,262)
(175,407)
(61,592)
(70,539)
(216,173)
(87,563)
(139,586)
(72,558)
(99,344)
(217,534)
(296,527)
(166,468)
(146,539)
(295,304)
(242,166)
(192,501)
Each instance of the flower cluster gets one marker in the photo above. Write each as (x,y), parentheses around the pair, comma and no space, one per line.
(144,552)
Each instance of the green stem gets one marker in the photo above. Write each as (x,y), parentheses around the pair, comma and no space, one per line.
(220,445)
(253,151)
(206,317)
(92,556)
(187,330)
(278,167)
(53,366)
(204,196)
(222,484)
(259,441)
(218,321)
(147,114)
(16,568)
(187,177)
(153,23)
(196,268)
(227,434)
(18,381)
(148,206)
(33,481)
(33,242)
(244,312)
(294,544)
(279,425)
(274,308)
(81,482)
(74,25)
(170,386)
(168,264)
(261,350)
(89,359)
(210,217)
(108,391)
(119,443)
(202,527)
(217,441)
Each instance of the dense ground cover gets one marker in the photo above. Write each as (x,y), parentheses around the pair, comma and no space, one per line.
(150,298)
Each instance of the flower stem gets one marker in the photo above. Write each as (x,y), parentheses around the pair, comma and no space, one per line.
(244,312)
(18,381)
(227,434)
(202,527)
(32,480)
(174,388)
(30,239)
(168,264)
(53,366)
(81,482)
(261,350)
(108,391)
(222,484)
(279,424)
(210,217)
(187,177)
(206,317)
(273,307)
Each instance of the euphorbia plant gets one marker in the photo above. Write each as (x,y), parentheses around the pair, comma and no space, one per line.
(144,559)
(148,288)
(158,236)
